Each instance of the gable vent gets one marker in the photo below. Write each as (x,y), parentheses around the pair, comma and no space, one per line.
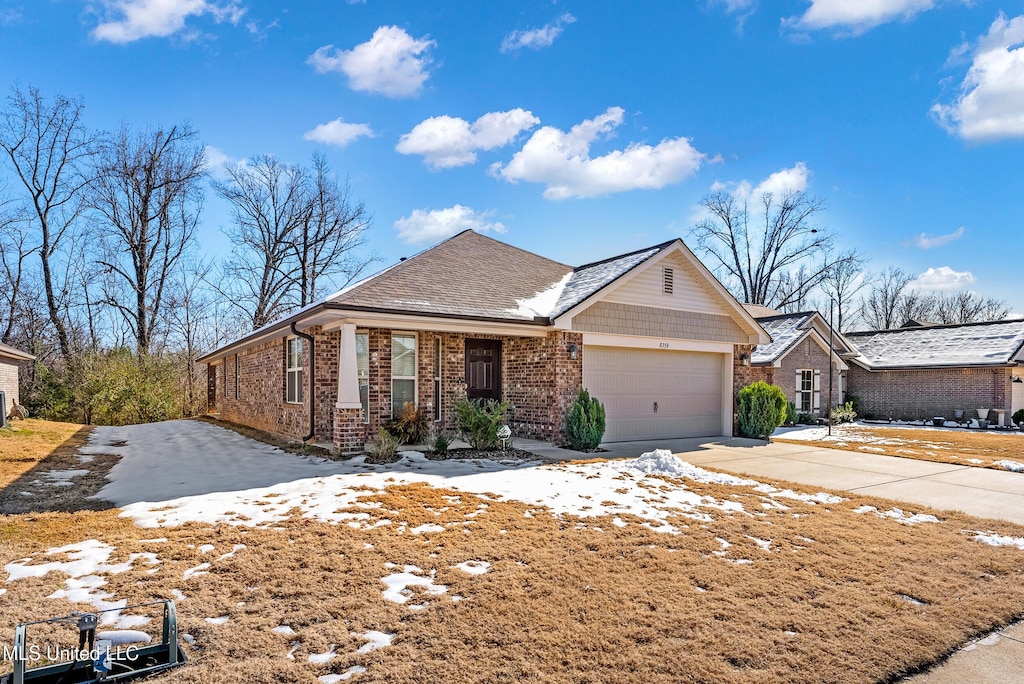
(668,276)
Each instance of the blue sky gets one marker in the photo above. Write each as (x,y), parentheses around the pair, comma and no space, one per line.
(581,130)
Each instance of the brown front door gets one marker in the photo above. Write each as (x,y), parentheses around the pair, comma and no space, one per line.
(483,369)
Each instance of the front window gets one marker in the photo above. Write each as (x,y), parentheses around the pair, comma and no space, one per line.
(293,384)
(363,372)
(403,371)
(806,390)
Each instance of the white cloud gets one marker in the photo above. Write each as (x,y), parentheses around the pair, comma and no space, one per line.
(124,21)
(431,226)
(562,161)
(448,141)
(338,132)
(926,241)
(391,63)
(793,179)
(856,16)
(538,38)
(217,161)
(991,101)
(943,278)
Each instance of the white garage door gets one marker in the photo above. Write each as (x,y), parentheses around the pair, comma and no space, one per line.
(654,394)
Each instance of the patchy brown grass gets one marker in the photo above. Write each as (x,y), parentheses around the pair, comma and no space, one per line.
(940,446)
(31,449)
(565,600)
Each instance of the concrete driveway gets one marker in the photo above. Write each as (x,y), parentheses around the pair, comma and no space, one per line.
(977,491)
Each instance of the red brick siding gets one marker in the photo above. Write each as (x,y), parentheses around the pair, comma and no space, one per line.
(923,394)
(538,378)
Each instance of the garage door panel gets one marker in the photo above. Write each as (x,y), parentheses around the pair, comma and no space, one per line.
(686,386)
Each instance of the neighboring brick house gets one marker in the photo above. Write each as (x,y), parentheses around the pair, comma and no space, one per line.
(797,358)
(924,371)
(10,360)
(651,333)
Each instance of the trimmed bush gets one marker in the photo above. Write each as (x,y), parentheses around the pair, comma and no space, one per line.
(790,413)
(585,423)
(440,441)
(844,413)
(762,408)
(479,420)
(1018,417)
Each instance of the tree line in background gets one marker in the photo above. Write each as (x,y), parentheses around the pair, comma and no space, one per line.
(100,274)
(772,251)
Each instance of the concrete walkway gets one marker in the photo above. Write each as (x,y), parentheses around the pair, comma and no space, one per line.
(995,659)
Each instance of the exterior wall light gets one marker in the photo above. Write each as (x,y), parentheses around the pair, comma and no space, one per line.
(574,351)
(744,359)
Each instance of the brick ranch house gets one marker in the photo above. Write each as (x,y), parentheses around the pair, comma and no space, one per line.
(651,333)
(924,371)
(10,360)
(797,358)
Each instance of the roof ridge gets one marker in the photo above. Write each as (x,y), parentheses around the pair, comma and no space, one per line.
(803,314)
(938,326)
(659,247)
(506,244)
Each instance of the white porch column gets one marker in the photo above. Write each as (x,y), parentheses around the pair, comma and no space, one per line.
(348,375)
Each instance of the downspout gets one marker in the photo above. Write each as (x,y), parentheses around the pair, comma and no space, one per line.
(312,381)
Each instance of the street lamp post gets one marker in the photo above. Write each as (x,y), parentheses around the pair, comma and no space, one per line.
(831,341)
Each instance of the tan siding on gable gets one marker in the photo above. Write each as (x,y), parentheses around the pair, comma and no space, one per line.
(646,289)
(627,319)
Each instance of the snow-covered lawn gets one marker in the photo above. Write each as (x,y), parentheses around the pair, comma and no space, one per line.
(288,568)
(998,449)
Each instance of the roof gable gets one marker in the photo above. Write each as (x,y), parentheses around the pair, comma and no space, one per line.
(940,346)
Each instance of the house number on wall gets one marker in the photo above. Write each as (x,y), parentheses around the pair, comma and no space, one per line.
(663,345)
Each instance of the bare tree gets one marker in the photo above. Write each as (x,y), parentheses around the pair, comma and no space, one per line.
(760,251)
(881,307)
(268,204)
(969,307)
(842,282)
(49,148)
(294,229)
(14,255)
(329,235)
(148,195)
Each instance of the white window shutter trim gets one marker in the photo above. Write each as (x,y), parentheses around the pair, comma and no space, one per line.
(817,390)
(797,387)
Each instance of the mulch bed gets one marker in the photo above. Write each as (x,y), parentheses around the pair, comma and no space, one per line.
(510,454)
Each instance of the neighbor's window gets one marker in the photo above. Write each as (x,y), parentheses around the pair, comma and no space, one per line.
(293,391)
(403,371)
(236,376)
(806,390)
(437,378)
(363,372)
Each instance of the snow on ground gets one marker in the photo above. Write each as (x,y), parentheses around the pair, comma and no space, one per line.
(86,561)
(850,432)
(374,640)
(219,476)
(1015,466)
(398,583)
(473,567)
(993,539)
(898,515)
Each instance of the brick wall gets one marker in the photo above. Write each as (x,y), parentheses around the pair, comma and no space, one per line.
(806,356)
(9,383)
(260,400)
(923,394)
(743,376)
(538,378)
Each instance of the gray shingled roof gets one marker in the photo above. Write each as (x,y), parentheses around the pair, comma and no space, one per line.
(973,344)
(10,352)
(785,331)
(588,279)
(469,275)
